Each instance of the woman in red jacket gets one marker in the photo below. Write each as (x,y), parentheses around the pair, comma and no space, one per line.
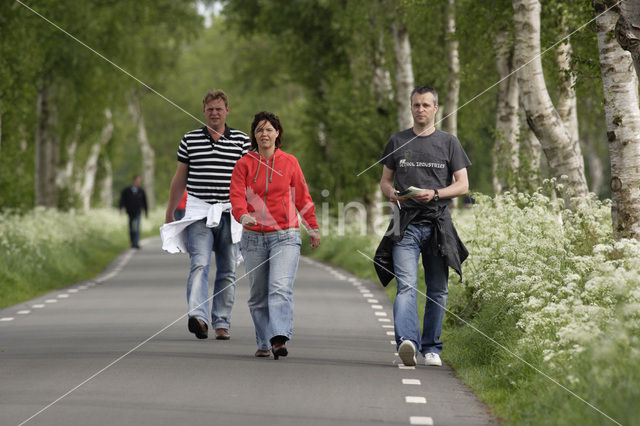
(267,191)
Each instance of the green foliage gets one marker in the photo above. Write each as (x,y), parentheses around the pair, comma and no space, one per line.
(546,285)
(45,249)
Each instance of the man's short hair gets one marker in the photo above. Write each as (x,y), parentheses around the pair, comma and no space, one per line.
(214,94)
(421,90)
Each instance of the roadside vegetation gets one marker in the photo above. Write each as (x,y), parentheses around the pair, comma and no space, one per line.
(553,288)
(46,249)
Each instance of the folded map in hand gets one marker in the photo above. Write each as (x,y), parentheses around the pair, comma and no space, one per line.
(409,192)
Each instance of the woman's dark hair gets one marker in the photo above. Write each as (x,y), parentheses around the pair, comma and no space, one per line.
(271,118)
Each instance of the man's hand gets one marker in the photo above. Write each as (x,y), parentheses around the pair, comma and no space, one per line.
(314,238)
(425,196)
(168,217)
(247,220)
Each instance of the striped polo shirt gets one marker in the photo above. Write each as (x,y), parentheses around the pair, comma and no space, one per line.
(211,163)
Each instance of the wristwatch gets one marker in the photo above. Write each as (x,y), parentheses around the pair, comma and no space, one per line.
(436,196)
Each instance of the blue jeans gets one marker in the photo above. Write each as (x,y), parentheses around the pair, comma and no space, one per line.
(134,229)
(271,261)
(405,309)
(202,241)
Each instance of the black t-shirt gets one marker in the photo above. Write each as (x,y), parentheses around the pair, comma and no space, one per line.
(427,162)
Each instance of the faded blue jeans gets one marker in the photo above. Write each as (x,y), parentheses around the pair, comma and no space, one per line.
(202,241)
(271,261)
(134,229)
(406,254)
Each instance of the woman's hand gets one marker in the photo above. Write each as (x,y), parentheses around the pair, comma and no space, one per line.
(314,238)
(247,220)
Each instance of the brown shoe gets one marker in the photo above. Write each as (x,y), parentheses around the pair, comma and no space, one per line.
(198,327)
(263,353)
(222,334)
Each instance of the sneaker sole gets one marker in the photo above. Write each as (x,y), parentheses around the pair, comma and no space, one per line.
(407,354)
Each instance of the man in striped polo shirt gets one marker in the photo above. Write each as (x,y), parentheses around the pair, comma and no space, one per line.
(206,157)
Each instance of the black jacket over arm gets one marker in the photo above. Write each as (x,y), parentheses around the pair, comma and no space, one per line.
(444,242)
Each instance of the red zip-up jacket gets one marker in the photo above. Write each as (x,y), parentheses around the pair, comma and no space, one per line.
(271,192)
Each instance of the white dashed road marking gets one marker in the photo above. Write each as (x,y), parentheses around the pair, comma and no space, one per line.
(387,326)
(380,314)
(25,312)
(415,399)
(376,306)
(72,290)
(63,296)
(384,320)
(6,319)
(38,306)
(391,333)
(411,382)
(372,300)
(51,301)
(406,367)
(416,420)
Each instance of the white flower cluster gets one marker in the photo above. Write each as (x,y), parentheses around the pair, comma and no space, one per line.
(553,275)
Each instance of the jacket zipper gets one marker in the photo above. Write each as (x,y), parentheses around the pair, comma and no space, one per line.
(286,214)
(266,190)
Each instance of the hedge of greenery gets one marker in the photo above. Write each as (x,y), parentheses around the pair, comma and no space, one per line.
(559,295)
(45,249)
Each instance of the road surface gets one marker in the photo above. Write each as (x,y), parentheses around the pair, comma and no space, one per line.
(115,350)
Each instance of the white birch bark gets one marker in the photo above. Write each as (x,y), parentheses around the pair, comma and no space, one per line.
(91,166)
(148,155)
(46,149)
(563,154)
(106,184)
(403,70)
(506,148)
(567,104)
(453,62)
(628,29)
(622,113)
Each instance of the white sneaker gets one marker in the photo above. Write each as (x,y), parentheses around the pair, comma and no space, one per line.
(431,358)
(407,353)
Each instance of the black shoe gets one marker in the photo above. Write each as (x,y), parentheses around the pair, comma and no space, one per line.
(279,349)
(198,327)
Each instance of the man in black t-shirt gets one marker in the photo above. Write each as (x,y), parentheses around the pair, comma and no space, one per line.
(434,161)
(133,199)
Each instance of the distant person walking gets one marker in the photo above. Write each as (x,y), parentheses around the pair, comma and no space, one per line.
(268,190)
(206,157)
(434,162)
(133,199)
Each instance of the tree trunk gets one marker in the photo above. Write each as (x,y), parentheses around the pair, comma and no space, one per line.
(567,104)
(628,29)
(106,185)
(563,154)
(453,89)
(622,113)
(404,69)
(596,171)
(46,149)
(506,161)
(148,155)
(64,178)
(0,132)
(91,166)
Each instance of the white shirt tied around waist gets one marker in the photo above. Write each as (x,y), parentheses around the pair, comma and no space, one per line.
(174,234)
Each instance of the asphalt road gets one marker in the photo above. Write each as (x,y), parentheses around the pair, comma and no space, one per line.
(116,351)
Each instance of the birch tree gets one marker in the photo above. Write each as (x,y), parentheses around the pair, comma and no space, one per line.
(628,30)
(507,144)
(622,112)
(46,148)
(453,62)
(563,154)
(148,155)
(403,68)
(86,188)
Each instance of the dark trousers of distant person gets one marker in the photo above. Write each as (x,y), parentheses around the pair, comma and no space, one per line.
(134,230)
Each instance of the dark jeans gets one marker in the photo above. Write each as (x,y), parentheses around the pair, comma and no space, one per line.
(134,230)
